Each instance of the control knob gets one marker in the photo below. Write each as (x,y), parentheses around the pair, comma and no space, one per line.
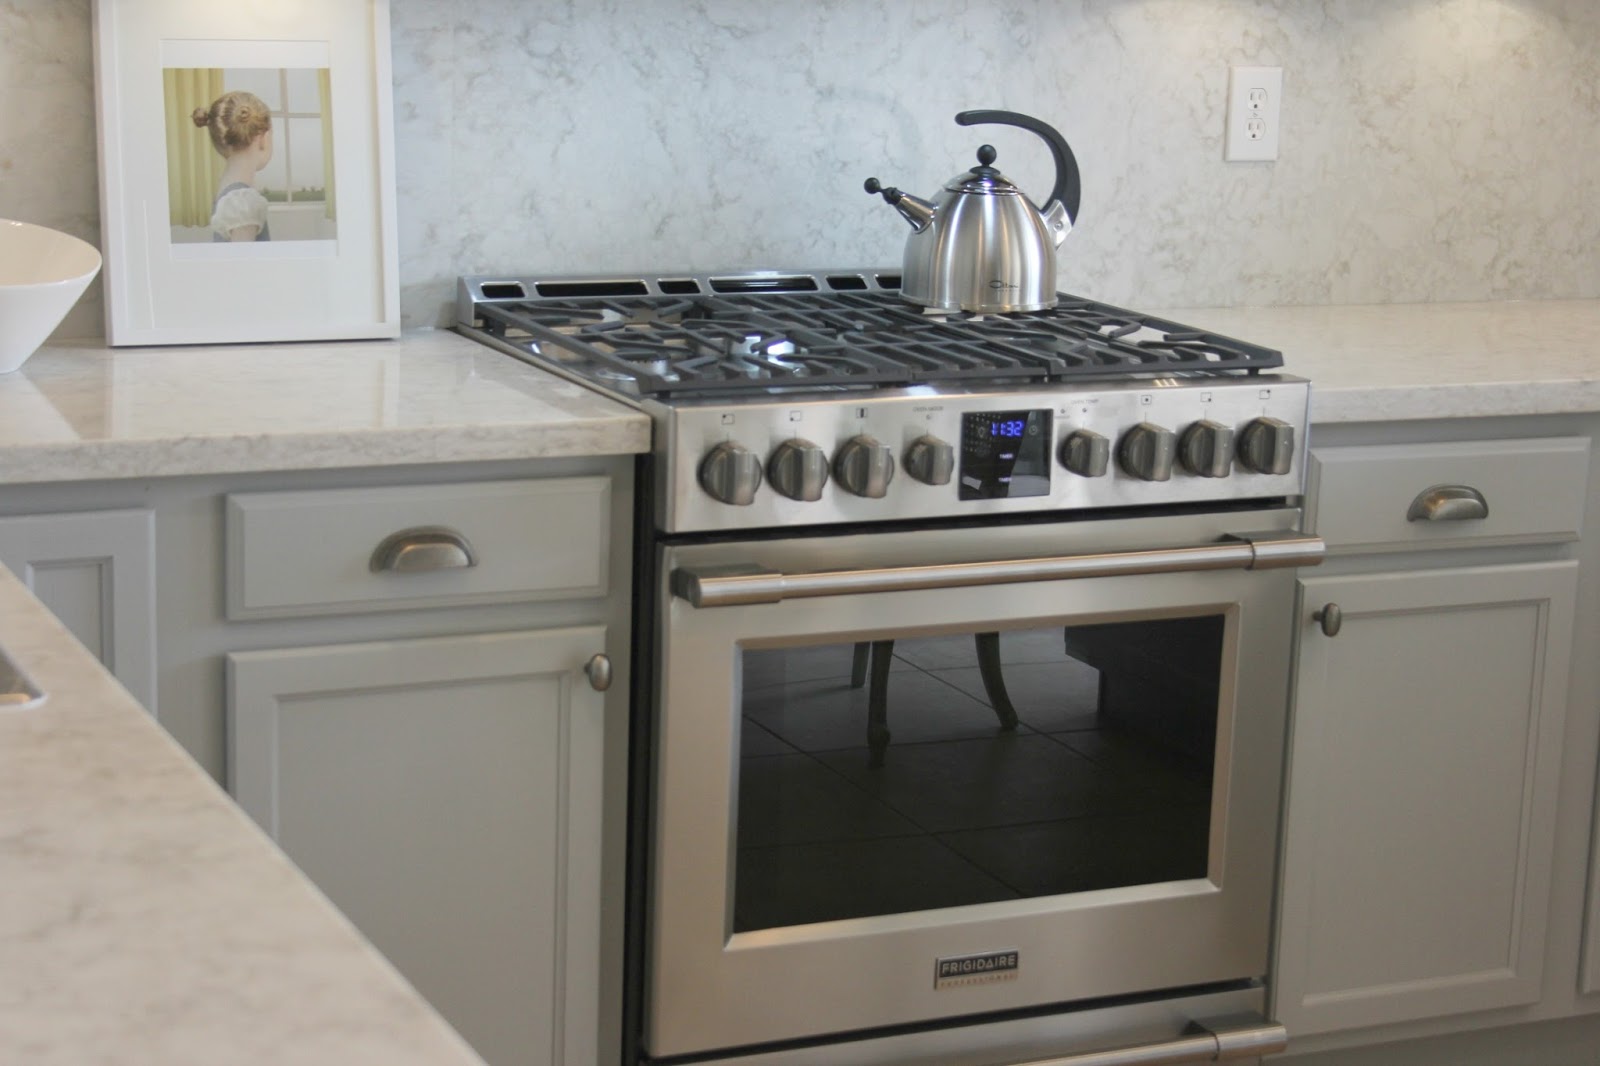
(1146,452)
(931,461)
(798,469)
(1267,446)
(731,473)
(864,465)
(1206,449)
(1086,453)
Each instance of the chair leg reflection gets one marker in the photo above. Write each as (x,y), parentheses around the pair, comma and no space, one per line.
(870,663)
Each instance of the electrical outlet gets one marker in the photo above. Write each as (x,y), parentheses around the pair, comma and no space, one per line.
(1255,96)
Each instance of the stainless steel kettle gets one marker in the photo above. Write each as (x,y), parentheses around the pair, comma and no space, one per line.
(981,245)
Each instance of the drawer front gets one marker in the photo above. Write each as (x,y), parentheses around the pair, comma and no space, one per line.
(333,551)
(1380,497)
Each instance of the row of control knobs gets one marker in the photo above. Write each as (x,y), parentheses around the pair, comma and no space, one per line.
(864,465)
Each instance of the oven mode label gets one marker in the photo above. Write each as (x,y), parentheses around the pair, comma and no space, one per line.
(961,970)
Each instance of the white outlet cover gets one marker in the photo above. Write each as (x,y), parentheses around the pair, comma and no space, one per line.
(1255,97)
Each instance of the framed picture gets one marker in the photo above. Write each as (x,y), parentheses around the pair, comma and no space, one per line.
(246,170)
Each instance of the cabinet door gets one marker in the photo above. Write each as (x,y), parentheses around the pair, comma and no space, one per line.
(95,570)
(445,793)
(1421,794)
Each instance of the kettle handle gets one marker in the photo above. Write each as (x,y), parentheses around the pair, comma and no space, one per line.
(1068,189)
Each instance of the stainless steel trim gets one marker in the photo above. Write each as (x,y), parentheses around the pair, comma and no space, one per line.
(1207,1045)
(726,586)
(423,549)
(1448,503)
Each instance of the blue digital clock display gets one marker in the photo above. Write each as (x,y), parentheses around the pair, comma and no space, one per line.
(1011,427)
(1004,454)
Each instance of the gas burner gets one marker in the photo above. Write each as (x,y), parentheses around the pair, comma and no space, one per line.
(760,333)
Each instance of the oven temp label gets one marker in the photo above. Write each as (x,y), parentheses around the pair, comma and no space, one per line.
(975,969)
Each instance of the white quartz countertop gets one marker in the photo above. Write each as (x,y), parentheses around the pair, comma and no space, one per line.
(145,919)
(76,412)
(1400,362)
(85,411)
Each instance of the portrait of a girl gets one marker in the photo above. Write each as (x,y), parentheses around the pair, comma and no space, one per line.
(241,131)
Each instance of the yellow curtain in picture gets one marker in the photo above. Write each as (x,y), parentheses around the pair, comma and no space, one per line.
(325,93)
(194,168)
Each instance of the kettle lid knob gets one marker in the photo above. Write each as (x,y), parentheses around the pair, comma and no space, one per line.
(986,158)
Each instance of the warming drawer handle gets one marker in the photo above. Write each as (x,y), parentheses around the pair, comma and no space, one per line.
(423,549)
(737,585)
(1202,1044)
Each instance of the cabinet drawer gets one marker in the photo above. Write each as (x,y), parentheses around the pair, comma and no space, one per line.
(332,551)
(1376,498)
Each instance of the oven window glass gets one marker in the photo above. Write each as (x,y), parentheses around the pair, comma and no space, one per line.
(906,775)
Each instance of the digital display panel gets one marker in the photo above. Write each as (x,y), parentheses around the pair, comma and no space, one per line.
(1004,454)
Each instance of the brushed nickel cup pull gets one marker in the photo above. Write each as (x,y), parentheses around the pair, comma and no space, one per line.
(1201,1044)
(423,549)
(598,669)
(1332,619)
(1448,503)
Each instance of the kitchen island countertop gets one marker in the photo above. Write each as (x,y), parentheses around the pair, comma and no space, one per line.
(145,918)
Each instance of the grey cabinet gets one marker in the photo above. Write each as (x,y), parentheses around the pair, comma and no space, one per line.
(446,794)
(1441,728)
(1424,764)
(96,571)
(446,788)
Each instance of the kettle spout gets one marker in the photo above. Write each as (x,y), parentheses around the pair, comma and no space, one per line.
(913,209)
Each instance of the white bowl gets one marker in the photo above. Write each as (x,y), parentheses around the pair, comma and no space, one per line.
(42,274)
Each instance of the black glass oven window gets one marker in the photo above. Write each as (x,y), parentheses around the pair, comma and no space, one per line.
(1004,454)
(914,774)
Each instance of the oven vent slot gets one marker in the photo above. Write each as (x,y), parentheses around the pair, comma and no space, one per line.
(766,283)
(591,288)
(888,281)
(679,287)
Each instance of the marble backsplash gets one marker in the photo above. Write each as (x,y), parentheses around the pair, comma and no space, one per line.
(1432,150)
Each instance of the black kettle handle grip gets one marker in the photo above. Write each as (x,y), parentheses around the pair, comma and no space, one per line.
(1069,188)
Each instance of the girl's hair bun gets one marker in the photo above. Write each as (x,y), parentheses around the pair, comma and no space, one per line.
(201,116)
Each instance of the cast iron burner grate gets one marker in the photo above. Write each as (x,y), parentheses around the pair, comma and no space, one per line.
(716,343)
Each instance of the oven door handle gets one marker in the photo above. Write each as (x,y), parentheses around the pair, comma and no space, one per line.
(737,585)
(1202,1043)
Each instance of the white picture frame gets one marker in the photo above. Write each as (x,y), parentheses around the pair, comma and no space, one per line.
(214,233)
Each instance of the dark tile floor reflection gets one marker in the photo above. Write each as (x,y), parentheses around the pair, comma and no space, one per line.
(961,811)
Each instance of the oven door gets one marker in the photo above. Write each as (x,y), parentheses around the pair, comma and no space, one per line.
(908,777)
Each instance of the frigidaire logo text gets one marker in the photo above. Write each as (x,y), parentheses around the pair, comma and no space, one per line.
(975,969)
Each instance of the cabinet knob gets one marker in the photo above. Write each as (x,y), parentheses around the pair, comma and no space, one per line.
(598,669)
(422,549)
(1331,618)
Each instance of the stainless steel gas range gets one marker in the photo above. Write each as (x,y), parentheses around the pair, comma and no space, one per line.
(961,669)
